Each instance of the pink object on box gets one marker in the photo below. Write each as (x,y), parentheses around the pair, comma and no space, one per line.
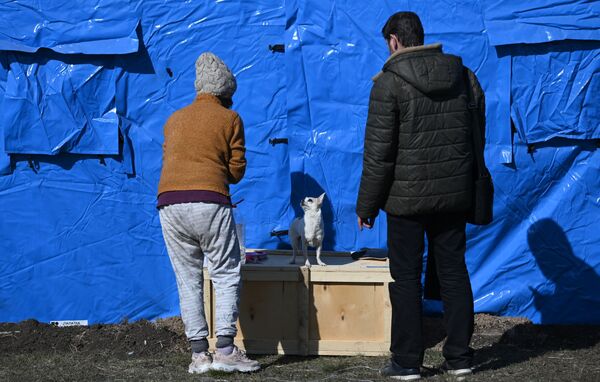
(255,257)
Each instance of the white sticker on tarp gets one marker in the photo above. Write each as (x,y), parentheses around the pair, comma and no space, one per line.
(70,323)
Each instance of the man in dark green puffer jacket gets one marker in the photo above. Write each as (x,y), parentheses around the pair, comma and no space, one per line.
(418,167)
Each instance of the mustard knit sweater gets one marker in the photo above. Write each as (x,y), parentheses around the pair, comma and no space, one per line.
(203,148)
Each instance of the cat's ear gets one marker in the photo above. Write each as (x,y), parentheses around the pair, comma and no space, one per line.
(320,199)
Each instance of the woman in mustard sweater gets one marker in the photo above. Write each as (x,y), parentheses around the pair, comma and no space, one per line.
(203,153)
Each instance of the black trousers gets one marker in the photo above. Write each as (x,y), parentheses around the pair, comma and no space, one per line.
(447,243)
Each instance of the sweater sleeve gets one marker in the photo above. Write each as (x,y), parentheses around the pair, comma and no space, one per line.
(165,138)
(379,157)
(237,159)
(479,99)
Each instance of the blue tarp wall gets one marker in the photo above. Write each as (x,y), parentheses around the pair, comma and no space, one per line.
(86,86)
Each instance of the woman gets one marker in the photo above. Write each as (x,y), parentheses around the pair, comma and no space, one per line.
(203,153)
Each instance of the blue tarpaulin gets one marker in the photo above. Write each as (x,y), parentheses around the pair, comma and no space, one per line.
(82,123)
(71,26)
(566,87)
(59,105)
(537,21)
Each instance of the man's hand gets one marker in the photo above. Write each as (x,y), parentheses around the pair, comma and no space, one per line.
(366,223)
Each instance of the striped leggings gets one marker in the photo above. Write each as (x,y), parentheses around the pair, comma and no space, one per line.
(193,231)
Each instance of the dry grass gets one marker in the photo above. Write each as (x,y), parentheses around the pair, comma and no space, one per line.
(507,350)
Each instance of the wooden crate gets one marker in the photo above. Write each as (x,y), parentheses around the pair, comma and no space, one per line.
(341,309)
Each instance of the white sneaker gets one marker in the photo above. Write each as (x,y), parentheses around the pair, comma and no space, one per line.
(457,372)
(236,361)
(201,363)
(460,372)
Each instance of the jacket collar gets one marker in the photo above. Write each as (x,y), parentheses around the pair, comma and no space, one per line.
(206,97)
(420,48)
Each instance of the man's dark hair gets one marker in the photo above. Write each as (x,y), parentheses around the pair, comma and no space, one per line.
(406,26)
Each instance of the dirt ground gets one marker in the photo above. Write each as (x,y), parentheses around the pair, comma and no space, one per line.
(507,350)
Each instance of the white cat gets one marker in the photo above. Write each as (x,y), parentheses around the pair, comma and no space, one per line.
(308,231)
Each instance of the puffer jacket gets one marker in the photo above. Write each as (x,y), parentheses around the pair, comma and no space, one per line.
(418,146)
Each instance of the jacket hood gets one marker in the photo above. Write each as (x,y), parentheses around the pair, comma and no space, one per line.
(426,68)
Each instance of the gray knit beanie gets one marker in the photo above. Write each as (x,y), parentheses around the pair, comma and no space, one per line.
(213,76)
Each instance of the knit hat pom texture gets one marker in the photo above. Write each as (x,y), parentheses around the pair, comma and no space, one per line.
(213,76)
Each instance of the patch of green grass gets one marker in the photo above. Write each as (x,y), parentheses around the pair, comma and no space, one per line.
(433,358)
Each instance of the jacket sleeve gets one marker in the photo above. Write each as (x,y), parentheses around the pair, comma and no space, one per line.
(381,145)
(237,157)
(479,99)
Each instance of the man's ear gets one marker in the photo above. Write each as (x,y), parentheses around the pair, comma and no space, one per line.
(394,43)
(321,199)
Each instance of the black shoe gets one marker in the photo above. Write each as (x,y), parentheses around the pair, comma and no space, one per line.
(395,371)
(463,372)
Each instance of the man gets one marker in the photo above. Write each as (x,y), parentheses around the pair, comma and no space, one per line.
(418,167)
(203,153)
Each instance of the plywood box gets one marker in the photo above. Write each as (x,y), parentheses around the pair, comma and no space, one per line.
(340,309)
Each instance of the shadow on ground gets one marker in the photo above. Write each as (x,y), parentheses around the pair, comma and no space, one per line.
(526,342)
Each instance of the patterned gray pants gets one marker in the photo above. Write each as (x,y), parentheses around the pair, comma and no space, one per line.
(191,232)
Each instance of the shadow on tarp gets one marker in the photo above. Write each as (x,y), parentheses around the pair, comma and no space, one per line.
(303,185)
(566,273)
